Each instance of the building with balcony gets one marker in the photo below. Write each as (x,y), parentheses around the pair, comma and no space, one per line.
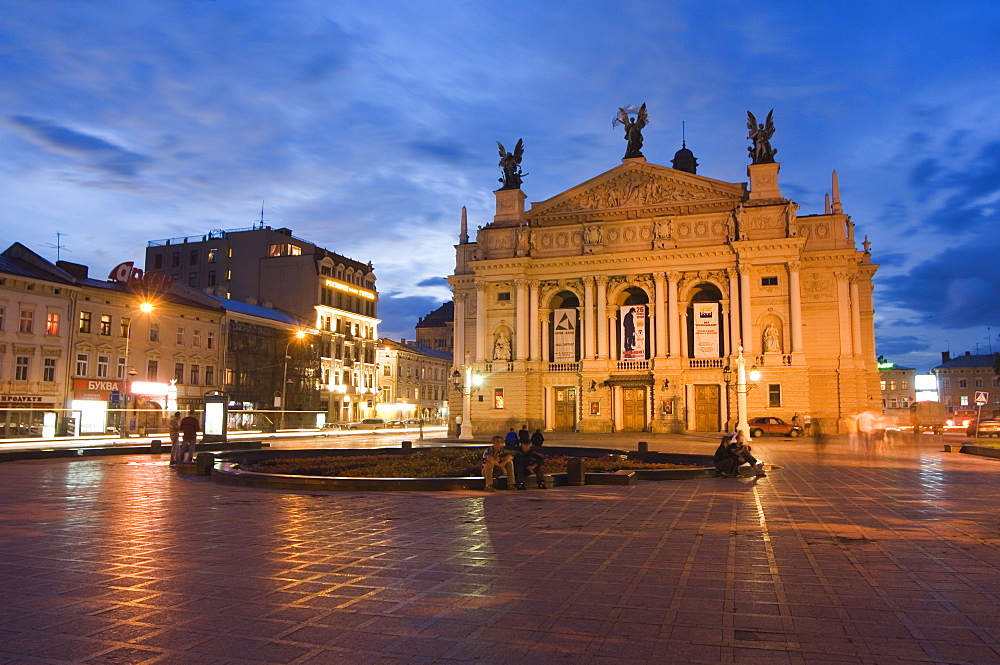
(623,303)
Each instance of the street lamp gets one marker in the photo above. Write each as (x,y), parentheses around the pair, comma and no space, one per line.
(145,307)
(467,382)
(742,388)
(298,336)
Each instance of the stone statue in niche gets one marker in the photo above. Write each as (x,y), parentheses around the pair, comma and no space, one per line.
(771,339)
(663,228)
(524,240)
(501,347)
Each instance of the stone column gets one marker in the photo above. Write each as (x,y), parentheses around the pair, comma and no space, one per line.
(601,322)
(543,316)
(534,346)
(610,324)
(724,307)
(844,312)
(746,329)
(855,316)
(734,309)
(588,317)
(673,320)
(521,314)
(481,288)
(660,308)
(460,352)
(795,302)
(683,329)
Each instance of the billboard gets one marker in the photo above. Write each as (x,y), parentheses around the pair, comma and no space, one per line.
(633,332)
(564,336)
(706,329)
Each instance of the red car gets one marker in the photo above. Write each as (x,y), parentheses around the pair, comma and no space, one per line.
(771,425)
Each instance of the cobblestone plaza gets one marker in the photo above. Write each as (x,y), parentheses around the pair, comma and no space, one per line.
(837,557)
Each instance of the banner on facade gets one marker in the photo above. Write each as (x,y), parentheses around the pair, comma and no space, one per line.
(633,318)
(564,336)
(706,329)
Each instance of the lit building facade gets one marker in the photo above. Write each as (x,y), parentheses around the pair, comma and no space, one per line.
(898,386)
(413,381)
(622,305)
(437,329)
(961,377)
(36,303)
(271,268)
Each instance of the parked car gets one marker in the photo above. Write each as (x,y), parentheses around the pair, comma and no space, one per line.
(367,423)
(984,427)
(771,425)
(395,424)
(334,426)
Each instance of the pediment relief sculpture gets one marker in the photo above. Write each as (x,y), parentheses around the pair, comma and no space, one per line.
(633,188)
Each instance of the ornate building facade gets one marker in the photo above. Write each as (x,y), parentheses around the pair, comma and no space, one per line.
(623,303)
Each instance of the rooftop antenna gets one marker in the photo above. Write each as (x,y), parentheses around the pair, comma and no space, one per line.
(262,220)
(989,337)
(58,246)
(683,136)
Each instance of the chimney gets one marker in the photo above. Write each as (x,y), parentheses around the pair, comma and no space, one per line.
(966,353)
(945,356)
(75,269)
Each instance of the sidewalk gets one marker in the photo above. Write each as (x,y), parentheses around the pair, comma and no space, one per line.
(835,558)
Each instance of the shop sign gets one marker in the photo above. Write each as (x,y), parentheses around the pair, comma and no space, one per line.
(126,273)
(22,399)
(96,385)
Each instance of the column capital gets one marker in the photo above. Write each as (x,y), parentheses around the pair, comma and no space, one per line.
(481,286)
(673,276)
(521,282)
(743,270)
(602,280)
(460,297)
(794,266)
(588,280)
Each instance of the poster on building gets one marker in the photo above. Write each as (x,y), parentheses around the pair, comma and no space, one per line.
(498,398)
(633,322)
(564,336)
(706,329)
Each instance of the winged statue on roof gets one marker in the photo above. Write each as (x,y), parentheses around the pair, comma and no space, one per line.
(761,151)
(510,164)
(633,127)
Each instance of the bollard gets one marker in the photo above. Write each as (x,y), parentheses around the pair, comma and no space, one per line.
(644,446)
(155,447)
(204,463)
(407,445)
(576,473)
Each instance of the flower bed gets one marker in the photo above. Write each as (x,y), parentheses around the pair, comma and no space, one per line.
(431,463)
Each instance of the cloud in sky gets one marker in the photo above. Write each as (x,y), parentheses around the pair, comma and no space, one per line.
(366,127)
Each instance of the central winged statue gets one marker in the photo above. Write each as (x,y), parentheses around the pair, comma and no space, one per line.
(761,152)
(633,128)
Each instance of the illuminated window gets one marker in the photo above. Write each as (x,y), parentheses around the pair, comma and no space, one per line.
(211,254)
(154,333)
(52,324)
(124,326)
(892,384)
(964,400)
(106,325)
(882,384)
(84,322)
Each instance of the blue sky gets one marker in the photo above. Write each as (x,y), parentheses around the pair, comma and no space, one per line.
(365,127)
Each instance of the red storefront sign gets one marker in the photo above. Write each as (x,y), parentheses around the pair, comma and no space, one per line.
(99,389)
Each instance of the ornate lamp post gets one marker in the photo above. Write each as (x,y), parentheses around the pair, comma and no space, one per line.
(299,335)
(742,388)
(467,382)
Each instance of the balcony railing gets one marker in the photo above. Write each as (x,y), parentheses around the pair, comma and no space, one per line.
(633,365)
(706,363)
(564,367)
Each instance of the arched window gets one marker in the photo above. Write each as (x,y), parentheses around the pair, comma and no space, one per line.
(705,329)
(564,328)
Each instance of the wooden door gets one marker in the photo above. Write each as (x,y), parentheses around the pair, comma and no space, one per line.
(633,409)
(706,408)
(565,410)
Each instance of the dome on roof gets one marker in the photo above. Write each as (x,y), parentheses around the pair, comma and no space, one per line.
(684,160)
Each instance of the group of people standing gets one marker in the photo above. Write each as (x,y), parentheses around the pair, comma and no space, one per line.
(732,453)
(519,465)
(187,427)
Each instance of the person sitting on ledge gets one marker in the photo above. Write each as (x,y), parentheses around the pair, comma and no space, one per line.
(495,457)
(527,460)
(725,461)
(511,438)
(741,451)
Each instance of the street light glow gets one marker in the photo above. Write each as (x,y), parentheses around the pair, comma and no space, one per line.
(146,307)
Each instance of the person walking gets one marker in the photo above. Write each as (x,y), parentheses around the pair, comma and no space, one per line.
(174,429)
(189,427)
